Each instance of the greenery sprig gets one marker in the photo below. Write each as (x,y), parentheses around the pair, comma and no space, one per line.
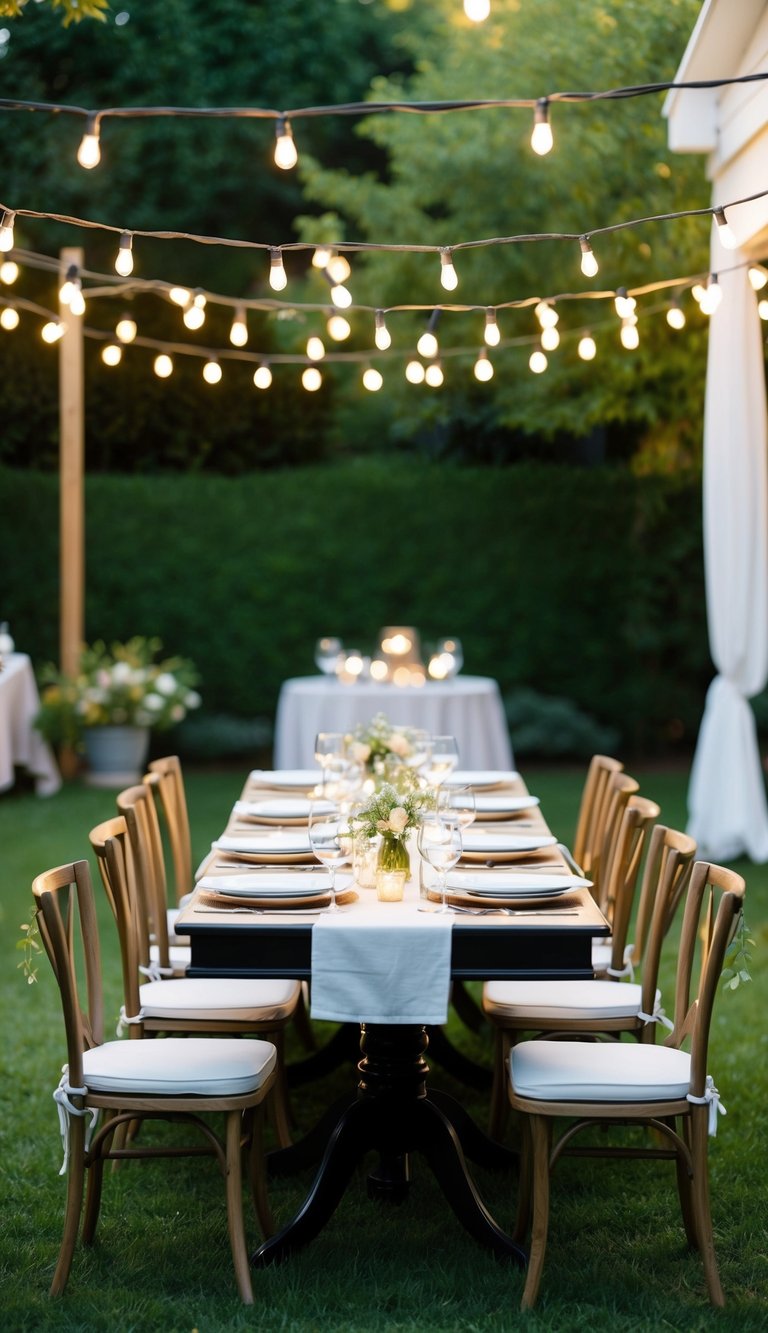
(738,957)
(30,947)
(394,812)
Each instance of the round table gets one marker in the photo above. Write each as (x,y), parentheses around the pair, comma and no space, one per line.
(468,707)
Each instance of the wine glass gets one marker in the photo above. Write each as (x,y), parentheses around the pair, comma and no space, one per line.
(439,843)
(330,749)
(459,801)
(443,758)
(331,837)
(326,652)
(421,743)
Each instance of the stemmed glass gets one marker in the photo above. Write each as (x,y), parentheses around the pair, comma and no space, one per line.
(443,758)
(439,842)
(331,838)
(326,654)
(330,748)
(421,746)
(458,801)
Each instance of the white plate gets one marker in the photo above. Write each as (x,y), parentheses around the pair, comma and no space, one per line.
(480,777)
(505,884)
(272,842)
(284,807)
(475,840)
(282,885)
(286,777)
(497,805)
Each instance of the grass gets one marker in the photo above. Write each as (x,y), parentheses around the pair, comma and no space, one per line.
(161,1260)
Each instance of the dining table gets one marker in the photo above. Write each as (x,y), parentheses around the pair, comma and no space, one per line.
(385,970)
(21,745)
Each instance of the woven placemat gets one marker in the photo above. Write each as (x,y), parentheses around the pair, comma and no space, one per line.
(208,899)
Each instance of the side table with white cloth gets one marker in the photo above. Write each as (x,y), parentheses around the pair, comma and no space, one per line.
(21,746)
(467,707)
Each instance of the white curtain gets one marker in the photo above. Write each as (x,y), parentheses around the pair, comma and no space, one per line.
(726,797)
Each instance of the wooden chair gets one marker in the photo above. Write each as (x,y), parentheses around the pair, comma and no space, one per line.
(589,826)
(514,1007)
(663,1088)
(175,1079)
(167,782)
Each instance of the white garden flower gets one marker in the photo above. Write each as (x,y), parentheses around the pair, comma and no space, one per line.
(398,819)
(166,683)
(399,744)
(154,703)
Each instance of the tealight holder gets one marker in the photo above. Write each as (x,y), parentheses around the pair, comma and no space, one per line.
(390,885)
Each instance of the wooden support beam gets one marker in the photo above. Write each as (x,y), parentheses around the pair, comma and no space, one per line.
(71,488)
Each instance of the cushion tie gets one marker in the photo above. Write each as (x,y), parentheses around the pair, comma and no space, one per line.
(154,972)
(65,1109)
(627,970)
(125,1021)
(712,1099)
(658,1015)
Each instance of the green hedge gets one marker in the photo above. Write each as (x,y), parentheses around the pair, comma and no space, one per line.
(585,584)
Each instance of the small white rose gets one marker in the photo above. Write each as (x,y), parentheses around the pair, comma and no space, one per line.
(122,673)
(154,703)
(166,683)
(399,744)
(360,752)
(398,818)
(382,825)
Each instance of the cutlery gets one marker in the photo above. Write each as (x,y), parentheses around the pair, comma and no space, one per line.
(516,911)
(269,911)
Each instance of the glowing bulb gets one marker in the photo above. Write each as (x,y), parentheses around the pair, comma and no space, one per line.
(6,231)
(9,318)
(676,315)
(630,338)
(125,329)
(163,366)
(427,344)
(712,297)
(697,292)
(338,328)
(338,267)
(762,309)
(111,354)
(77,300)
(550,338)
(285,149)
(322,257)
(52,331)
(483,368)
(541,138)
(757,276)
(372,379)
(311,379)
(414,372)
(381,336)
(587,348)
(124,256)
(725,233)
(477,11)
(492,332)
(180,296)
(538,362)
(449,278)
(546,314)
(262,377)
(624,304)
(89,152)
(315,348)
(194,316)
(67,287)
(341,297)
(212,372)
(433,375)
(238,333)
(589,265)
(278,278)
(9,271)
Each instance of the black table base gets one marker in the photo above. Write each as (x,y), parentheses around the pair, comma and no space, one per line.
(393,1114)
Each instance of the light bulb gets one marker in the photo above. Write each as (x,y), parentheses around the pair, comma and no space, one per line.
(124,256)
(697,292)
(676,315)
(89,152)
(757,276)
(433,375)
(381,336)
(449,278)
(111,354)
(52,331)
(338,267)
(322,257)
(550,338)
(341,297)
(67,287)
(6,231)
(238,334)
(286,155)
(546,314)
(212,372)
(587,348)
(338,328)
(194,316)
(180,296)
(311,379)
(315,348)
(414,372)
(163,366)
(541,138)
(762,309)
(9,271)
(624,304)
(492,332)
(630,338)
(200,300)
(483,367)
(278,278)
(9,318)
(427,344)
(477,11)
(77,300)
(262,377)
(372,379)
(712,297)
(725,232)
(589,265)
(125,329)
(538,362)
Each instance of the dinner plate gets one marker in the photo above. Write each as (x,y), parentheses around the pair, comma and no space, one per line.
(500,883)
(478,840)
(314,901)
(297,778)
(272,842)
(283,885)
(480,777)
(283,809)
(491,806)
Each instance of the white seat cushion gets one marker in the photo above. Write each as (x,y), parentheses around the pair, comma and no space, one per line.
(219,998)
(576,1071)
(561,999)
(179,1066)
(179,955)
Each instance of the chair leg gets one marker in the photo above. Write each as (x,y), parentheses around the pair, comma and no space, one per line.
(541,1139)
(702,1212)
(257,1174)
(279,1105)
(499,1109)
(235,1209)
(94,1184)
(523,1218)
(75,1181)
(684,1188)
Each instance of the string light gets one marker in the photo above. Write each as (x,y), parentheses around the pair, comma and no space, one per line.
(477,11)
(676,314)
(238,333)
(341,297)
(212,371)
(758,276)
(311,379)
(762,309)
(6,231)
(322,257)
(381,334)
(372,379)
(491,332)
(9,271)
(9,318)
(725,232)
(180,295)
(315,348)
(697,292)
(126,329)
(427,345)
(550,338)
(262,376)
(587,348)
(89,152)
(286,155)
(338,267)
(625,305)
(52,331)
(414,372)
(546,314)
(433,375)
(338,328)
(194,315)
(449,278)
(124,256)
(538,362)
(541,137)
(278,279)
(163,366)
(77,300)
(713,295)
(111,354)
(483,367)
(67,288)
(629,335)
(589,264)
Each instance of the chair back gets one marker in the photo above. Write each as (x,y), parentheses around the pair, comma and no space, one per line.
(112,849)
(617,888)
(65,910)
(137,806)
(165,778)
(588,836)
(665,879)
(607,824)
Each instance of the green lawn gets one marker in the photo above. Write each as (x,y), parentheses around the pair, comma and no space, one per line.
(162,1261)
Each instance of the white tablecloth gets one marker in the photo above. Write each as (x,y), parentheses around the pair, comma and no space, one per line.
(468,708)
(20,744)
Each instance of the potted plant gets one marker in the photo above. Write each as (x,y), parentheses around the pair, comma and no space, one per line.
(120,694)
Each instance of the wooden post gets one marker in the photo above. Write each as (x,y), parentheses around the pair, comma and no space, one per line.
(71,489)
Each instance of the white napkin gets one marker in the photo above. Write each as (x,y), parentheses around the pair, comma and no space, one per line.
(383,963)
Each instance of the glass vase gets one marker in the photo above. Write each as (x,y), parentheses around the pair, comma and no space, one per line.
(393,866)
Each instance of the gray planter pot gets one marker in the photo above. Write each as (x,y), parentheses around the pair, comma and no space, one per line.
(115,756)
